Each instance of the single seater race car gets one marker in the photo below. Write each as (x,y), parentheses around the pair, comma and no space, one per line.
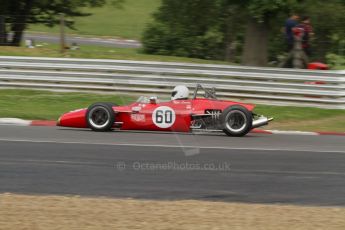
(180,114)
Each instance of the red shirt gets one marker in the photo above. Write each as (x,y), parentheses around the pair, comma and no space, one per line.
(307,29)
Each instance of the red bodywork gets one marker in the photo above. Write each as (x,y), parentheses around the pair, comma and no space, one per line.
(140,116)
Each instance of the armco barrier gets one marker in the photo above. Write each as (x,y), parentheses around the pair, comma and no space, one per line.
(268,85)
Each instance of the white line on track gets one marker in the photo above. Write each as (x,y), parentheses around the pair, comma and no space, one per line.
(15,161)
(293,132)
(14,121)
(325,173)
(171,146)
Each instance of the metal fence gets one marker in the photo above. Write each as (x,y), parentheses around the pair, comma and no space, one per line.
(267,85)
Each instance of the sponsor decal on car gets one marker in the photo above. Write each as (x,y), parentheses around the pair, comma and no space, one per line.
(178,102)
(138,117)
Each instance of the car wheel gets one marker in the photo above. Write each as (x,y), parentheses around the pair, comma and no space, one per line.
(236,121)
(100,117)
(111,104)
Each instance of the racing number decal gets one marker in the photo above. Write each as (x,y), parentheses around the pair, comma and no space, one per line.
(163,117)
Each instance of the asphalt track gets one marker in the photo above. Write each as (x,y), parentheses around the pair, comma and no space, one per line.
(259,168)
(108,42)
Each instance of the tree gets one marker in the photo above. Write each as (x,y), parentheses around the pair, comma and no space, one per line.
(16,14)
(207,29)
(185,28)
(3,11)
(261,15)
(231,25)
(328,20)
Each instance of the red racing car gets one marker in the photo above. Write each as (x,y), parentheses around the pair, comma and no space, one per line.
(180,114)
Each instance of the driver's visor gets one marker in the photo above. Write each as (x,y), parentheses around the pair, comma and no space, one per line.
(173,93)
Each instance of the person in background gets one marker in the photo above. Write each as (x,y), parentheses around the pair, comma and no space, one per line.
(307,34)
(290,23)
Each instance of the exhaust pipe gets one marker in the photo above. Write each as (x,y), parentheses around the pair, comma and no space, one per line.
(261,121)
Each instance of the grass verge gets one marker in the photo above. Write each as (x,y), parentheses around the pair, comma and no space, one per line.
(304,118)
(45,105)
(88,51)
(60,212)
(128,21)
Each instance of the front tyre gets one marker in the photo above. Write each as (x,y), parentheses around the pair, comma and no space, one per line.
(236,121)
(100,117)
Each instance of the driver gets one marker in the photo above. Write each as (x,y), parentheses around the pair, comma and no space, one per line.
(180,92)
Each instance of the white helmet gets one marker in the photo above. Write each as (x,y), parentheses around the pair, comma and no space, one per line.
(180,92)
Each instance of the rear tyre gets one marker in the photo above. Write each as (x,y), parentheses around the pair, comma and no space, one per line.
(236,121)
(100,117)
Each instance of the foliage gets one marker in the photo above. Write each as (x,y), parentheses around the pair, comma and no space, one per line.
(328,20)
(265,10)
(336,61)
(183,29)
(177,31)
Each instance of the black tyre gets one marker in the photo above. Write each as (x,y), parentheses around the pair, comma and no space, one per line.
(110,104)
(100,117)
(236,121)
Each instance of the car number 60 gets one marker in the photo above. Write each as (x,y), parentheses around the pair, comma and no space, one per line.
(163,117)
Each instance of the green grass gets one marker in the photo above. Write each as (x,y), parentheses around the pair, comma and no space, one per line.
(126,22)
(45,105)
(86,51)
(339,67)
(304,118)
(290,113)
